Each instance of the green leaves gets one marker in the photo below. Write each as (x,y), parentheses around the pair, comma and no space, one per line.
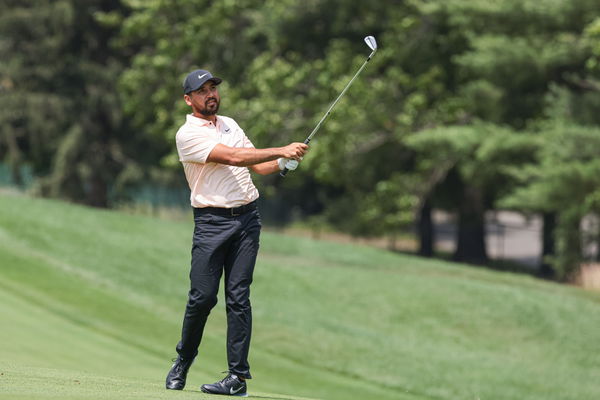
(564,179)
(463,96)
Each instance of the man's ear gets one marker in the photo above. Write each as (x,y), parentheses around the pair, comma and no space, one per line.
(187,99)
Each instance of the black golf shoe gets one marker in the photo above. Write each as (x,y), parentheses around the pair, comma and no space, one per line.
(178,373)
(231,385)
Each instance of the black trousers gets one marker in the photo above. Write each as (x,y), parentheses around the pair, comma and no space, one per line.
(222,243)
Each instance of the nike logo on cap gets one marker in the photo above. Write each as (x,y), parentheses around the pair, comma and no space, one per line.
(202,76)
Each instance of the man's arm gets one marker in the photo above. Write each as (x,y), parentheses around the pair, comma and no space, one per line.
(245,157)
(266,168)
(271,167)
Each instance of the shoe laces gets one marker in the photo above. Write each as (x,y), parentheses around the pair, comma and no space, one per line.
(179,364)
(230,377)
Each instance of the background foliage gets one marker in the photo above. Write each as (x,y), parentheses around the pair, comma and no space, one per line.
(468,106)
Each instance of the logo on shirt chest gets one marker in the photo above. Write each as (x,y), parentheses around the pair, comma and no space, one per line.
(224,128)
(230,138)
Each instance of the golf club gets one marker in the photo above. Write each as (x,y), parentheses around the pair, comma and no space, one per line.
(372,43)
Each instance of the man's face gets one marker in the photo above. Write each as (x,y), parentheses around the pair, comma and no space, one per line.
(205,100)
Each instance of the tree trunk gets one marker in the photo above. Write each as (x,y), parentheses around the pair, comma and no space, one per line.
(97,194)
(548,245)
(470,245)
(568,239)
(596,239)
(392,242)
(426,232)
(14,157)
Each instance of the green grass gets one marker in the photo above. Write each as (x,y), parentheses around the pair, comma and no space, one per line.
(91,303)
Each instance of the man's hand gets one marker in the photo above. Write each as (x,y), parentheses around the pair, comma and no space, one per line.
(294,151)
(287,163)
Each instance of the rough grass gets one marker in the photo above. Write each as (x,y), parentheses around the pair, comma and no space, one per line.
(91,303)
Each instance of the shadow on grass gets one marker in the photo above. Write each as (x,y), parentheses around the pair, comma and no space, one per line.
(252,396)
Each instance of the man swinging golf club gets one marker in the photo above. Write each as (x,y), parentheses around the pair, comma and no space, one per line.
(216,154)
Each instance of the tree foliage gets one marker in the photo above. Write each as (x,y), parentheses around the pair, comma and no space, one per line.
(460,109)
(61,112)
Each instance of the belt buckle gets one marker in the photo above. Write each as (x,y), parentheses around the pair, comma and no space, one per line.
(233,213)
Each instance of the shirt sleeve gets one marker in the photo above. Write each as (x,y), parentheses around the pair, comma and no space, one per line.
(194,146)
(246,142)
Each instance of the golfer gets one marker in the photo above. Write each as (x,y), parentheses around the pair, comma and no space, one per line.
(216,154)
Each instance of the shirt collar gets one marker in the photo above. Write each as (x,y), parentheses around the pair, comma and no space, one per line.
(198,121)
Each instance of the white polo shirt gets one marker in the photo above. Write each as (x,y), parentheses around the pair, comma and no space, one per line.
(213,184)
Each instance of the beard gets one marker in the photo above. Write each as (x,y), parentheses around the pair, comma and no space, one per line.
(210,109)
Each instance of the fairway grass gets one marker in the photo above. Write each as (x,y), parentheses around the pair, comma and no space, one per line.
(91,303)
(43,383)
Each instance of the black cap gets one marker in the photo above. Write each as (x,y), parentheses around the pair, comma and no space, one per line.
(197,78)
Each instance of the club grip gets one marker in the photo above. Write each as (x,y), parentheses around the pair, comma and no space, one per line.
(284,172)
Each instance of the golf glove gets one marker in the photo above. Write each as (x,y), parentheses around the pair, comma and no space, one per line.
(287,163)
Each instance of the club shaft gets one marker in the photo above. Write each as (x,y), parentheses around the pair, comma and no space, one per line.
(308,139)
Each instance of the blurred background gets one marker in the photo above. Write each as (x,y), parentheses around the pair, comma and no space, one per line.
(473,134)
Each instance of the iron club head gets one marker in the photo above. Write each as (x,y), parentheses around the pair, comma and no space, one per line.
(371,42)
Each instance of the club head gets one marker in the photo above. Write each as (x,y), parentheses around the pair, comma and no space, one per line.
(371,42)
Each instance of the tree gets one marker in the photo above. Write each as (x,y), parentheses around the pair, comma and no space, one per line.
(563,182)
(279,78)
(475,159)
(32,114)
(566,181)
(500,75)
(467,77)
(61,111)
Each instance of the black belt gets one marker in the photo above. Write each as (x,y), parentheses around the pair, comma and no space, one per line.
(231,212)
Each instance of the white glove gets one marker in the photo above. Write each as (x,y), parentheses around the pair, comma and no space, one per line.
(288,163)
